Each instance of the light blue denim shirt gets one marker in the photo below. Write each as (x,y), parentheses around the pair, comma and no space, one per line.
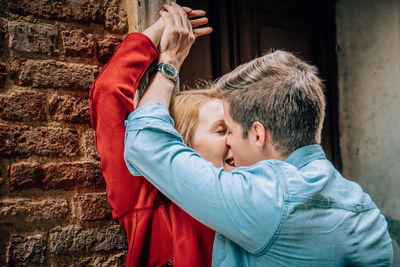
(297,212)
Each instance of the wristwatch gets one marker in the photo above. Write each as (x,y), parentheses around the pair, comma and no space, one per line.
(169,71)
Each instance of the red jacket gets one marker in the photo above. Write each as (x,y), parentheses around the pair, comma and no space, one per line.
(157,229)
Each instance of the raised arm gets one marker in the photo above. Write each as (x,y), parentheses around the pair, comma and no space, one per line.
(111,101)
(178,36)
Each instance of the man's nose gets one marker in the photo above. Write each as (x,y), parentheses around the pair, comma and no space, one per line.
(227,141)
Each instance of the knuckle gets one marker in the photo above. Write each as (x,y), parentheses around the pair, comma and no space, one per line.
(177,32)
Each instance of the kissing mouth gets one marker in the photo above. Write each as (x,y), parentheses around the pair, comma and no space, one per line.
(230,161)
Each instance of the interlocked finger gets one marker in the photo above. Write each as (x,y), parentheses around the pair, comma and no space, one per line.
(175,15)
(168,20)
(183,16)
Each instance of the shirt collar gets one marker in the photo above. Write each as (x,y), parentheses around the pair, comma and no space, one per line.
(305,155)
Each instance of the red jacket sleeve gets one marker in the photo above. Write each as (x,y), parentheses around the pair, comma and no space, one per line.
(111,101)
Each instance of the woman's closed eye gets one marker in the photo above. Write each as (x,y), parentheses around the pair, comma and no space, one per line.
(220,130)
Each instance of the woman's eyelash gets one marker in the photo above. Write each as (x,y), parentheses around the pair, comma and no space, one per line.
(221,131)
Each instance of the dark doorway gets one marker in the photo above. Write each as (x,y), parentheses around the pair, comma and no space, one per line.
(244,30)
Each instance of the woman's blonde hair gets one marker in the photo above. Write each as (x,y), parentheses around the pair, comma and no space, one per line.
(184,110)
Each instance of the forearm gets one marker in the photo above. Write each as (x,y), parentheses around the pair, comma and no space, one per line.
(177,36)
(155,31)
(158,90)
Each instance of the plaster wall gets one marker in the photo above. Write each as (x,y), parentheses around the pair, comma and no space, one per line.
(368,42)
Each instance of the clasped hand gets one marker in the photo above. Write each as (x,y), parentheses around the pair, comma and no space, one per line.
(176,31)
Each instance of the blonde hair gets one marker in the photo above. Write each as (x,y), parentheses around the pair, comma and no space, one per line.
(184,110)
(282,92)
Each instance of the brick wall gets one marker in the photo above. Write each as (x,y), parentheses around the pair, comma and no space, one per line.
(53,208)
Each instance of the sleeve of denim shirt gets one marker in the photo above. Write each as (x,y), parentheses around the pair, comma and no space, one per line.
(245,205)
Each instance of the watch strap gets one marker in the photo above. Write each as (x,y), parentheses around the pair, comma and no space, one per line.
(174,78)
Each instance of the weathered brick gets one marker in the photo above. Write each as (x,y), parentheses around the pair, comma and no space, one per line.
(26,250)
(115,260)
(71,239)
(107,47)
(30,211)
(67,176)
(23,106)
(89,147)
(16,66)
(25,175)
(69,108)
(3,72)
(33,38)
(102,261)
(2,7)
(3,31)
(78,43)
(66,10)
(90,207)
(55,74)
(116,20)
(16,140)
(74,175)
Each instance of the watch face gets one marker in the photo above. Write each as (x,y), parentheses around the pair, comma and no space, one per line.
(170,70)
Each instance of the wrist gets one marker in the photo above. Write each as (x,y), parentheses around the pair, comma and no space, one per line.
(169,60)
(169,71)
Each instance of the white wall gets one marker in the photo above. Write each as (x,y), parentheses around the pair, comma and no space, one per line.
(368,50)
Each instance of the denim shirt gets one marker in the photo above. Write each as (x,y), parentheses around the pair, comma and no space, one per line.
(297,212)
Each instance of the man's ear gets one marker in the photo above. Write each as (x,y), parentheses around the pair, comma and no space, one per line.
(259,134)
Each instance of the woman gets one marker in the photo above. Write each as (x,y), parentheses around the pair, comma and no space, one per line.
(159,232)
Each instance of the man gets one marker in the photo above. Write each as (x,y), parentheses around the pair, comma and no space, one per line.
(285,204)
